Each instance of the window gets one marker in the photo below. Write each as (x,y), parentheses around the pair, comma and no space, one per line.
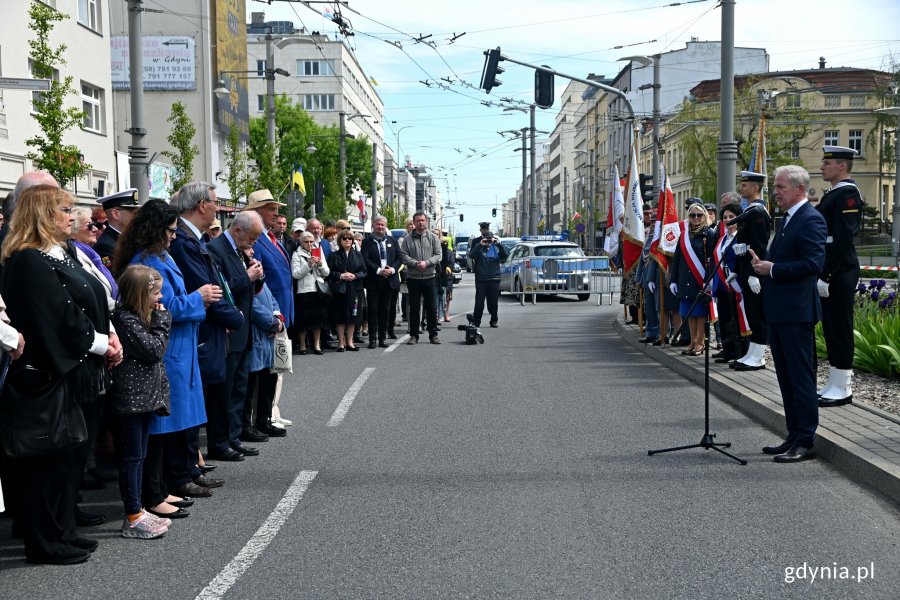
(858,101)
(791,101)
(261,68)
(261,103)
(833,101)
(38,97)
(318,102)
(314,68)
(832,137)
(92,105)
(855,140)
(795,149)
(89,14)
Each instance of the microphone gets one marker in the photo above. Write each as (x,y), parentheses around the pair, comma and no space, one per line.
(751,212)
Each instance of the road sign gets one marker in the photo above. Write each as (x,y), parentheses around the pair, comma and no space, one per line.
(12,83)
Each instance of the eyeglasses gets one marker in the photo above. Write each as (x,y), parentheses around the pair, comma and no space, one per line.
(172,230)
(99,225)
(346,239)
(90,226)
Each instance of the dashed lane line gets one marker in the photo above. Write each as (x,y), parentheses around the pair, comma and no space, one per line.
(344,407)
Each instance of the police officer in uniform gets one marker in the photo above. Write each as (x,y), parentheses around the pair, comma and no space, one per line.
(119,209)
(752,234)
(841,206)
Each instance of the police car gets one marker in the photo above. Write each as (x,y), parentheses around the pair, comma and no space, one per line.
(548,264)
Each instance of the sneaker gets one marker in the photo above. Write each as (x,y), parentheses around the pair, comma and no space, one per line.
(143,528)
(276,424)
(412,340)
(159,520)
(286,422)
(434,339)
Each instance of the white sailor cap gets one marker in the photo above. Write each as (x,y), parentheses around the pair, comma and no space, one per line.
(839,152)
(751,176)
(124,199)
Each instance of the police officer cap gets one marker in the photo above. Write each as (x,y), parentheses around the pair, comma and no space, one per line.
(751,176)
(124,199)
(839,152)
(484,225)
(691,201)
(709,207)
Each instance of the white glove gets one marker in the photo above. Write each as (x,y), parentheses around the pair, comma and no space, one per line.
(822,286)
(739,249)
(673,287)
(755,286)
(652,287)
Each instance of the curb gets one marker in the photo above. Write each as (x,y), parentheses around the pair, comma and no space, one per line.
(850,459)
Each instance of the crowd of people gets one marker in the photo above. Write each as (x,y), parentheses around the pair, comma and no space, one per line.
(759,293)
(140,324)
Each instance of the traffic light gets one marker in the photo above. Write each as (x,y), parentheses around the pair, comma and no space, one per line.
(647,187)
(460,218)
(492,68)
(543,88)
(493,212)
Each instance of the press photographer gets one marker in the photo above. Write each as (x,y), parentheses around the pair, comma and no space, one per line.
(486,256)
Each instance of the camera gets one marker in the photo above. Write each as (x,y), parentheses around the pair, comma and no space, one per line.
(473,336)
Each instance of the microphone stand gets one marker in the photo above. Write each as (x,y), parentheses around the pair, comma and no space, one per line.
(707,442)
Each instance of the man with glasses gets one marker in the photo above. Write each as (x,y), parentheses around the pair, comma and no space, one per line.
(420,251)
(382,261)
(119,208)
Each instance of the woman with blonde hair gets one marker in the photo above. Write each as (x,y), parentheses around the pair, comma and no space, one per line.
(687,272)
(62,311)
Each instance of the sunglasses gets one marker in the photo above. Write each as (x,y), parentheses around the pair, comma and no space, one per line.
(697,215)
(91,226)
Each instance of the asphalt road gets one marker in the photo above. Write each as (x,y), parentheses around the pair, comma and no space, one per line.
(513,469)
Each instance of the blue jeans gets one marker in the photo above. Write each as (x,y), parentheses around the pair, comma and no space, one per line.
(132,434)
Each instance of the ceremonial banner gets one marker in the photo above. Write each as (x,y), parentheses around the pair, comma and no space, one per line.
(666,231)
(633,237)
(613,224)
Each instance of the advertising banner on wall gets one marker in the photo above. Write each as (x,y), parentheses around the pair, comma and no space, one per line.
(231,60)
(169,63)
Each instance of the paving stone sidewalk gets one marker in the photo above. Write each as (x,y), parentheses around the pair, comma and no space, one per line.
(861,441)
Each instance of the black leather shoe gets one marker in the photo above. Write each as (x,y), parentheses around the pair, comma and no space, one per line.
(352,348)
(69,555)
(107,476)
(251,434)
(178,514)
(382,344)
(656,342)
(493,324)
(273,431)
(230,455)
(206,468)
(645,340)
(209,482)
(83,543)
(723,359)
(796,454)
(733,364)
(392,335)
(318,352)
(826,403)
(185,502)
(192,490)
(88,519)
(779,449)
(742,367)
(89,482)
(246,450)
(721,354)
(372,345)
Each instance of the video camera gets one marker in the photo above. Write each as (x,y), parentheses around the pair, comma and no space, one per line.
(473,336)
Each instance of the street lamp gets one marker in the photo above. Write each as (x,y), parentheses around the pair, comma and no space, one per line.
(646,61)
(894,111)
(222,91)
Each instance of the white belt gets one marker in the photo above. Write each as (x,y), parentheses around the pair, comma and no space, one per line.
(829,239)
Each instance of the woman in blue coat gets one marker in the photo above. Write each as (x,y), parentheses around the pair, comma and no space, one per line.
(169,458)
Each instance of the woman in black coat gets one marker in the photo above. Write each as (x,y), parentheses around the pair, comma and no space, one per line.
(61,311)
(348,272)
(687,270)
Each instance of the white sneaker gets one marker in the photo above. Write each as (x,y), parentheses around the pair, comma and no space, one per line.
(143,528)
(281,421)
(165,522)
(276,424)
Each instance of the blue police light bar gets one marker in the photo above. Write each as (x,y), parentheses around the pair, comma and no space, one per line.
(559,237)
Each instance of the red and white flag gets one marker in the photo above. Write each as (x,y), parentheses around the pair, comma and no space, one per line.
(633,225)
(613,224)
(666,231)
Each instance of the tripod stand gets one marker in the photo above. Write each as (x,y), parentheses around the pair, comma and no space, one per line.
(707,442)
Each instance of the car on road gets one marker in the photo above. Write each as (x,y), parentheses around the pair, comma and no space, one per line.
(462,251)
(549,264)
(457,273)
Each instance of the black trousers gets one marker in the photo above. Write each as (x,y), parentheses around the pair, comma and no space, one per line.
(225,403)
(753,307)
(45,490)
(728,325)
(379,299)
(837,317)
(265,382)
(392,309)
(153,487)
(422,291)
(486,291)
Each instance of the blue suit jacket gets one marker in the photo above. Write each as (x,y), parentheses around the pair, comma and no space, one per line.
(798,255)
(278,274)
(242,289)
(198,268)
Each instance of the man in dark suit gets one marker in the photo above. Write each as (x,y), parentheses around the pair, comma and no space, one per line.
(791,305)
(119,209)
(197,204)
(242,276)
(382,261)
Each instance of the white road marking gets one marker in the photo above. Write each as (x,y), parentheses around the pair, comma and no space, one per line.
(393,346)
(344,407)
(219,586)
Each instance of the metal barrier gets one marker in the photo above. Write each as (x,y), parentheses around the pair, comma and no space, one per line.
(581,276)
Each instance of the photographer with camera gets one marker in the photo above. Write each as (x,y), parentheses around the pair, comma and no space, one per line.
(486,256)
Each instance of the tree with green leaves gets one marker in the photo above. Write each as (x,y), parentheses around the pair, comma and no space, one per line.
(396,219)
(181,140)
(238,179)
(787,128)
(63,161)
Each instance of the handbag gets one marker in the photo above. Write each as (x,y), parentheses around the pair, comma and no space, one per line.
(40,415)
(323,289)
(283,362)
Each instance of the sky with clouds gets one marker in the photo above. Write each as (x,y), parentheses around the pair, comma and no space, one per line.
(451,131)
